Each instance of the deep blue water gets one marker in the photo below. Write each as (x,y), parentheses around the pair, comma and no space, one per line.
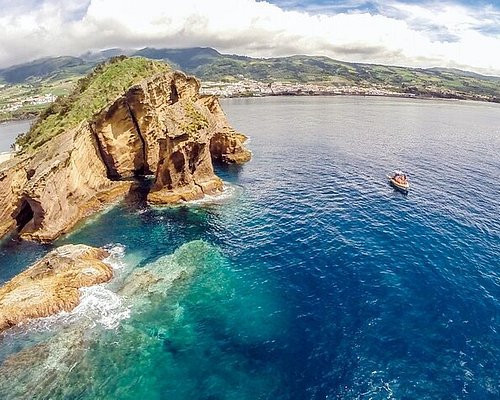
(311,279)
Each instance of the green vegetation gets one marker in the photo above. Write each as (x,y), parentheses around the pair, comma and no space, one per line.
(92,93)
(57,76)
(197,120)
(305,69)
(27,112)
(54,67)
(16,101)
(207,64)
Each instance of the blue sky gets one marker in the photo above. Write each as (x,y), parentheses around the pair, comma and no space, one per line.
(452,33)
(364,5)
(384,8)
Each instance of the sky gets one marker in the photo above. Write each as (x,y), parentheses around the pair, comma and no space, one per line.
(461,34)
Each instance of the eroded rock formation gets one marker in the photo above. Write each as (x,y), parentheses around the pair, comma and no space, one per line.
(51,285)
(226,145)
(46,194)
(161,126)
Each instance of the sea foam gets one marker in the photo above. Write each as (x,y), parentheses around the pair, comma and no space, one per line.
(98,304)
(229,191)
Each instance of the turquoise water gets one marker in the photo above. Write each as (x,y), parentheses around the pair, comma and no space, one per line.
(309,279)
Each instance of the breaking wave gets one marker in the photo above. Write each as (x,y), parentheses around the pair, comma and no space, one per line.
(229,192)
(98,304)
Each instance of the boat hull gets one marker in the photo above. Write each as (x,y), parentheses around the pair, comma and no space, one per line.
(399,186)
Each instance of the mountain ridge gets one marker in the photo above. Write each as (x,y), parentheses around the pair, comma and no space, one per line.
(187,53)
(23,86)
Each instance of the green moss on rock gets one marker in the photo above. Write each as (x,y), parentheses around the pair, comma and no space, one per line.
(108,81)
(197,120)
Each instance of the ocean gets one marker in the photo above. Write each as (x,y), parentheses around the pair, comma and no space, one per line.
(10,130)
(309,278)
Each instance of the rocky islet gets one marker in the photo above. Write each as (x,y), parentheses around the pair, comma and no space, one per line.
(161,126)
(52,284)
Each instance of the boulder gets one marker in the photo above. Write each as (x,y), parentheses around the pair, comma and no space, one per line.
(51,285)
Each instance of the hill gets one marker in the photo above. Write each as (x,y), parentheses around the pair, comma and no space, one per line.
(188,60)
(50,67)
(108,81)
(27,88)
(208,64)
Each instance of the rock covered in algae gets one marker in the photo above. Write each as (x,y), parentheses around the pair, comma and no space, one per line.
(51,284)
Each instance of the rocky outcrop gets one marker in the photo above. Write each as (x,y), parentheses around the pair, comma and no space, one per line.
(59,365)
(120,143)
(157,107)
(226,145)
(184,172)
(161,126)
(51,284)
(45,195)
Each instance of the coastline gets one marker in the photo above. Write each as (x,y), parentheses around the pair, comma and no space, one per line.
(395,95)
(32,116)
(22,117)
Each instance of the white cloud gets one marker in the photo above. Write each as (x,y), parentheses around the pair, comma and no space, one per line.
(438,34)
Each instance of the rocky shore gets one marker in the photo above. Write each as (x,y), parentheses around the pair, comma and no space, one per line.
(161,126)
(51,285)
(66,351)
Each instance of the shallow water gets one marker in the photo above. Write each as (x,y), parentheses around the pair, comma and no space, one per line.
(310,279)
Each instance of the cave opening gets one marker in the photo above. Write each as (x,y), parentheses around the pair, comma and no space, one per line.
(174,94)
(24,215)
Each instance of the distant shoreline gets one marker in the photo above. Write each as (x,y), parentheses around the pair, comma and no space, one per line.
(22,117)
(31,116)
(402,96)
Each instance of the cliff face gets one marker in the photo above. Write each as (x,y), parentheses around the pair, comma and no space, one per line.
(13,177)
(45,195)
(161,126)
(51,285)
(226,145)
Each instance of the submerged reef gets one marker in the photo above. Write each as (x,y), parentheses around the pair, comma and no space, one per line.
(68,350)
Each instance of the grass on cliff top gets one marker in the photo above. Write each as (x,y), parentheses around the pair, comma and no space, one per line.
(92,93)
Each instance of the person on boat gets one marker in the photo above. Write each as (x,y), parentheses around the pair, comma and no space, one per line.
(400,178)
